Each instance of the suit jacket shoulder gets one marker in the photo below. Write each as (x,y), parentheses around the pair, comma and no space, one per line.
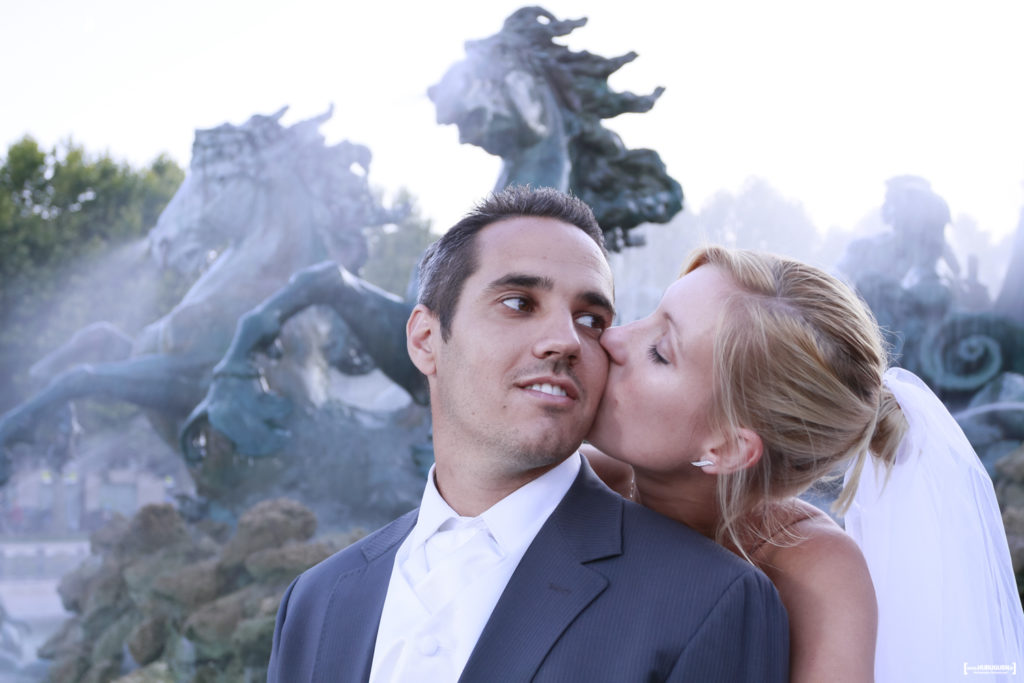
(327,621)
(612,591)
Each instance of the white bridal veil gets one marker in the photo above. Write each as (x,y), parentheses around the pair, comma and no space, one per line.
(933,538)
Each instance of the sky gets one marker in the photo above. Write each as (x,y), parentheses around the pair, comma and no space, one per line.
(825,100)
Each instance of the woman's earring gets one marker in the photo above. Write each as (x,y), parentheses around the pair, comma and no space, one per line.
(702,463)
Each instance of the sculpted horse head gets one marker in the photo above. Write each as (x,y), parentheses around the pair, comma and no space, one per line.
(539,105)
(260,201)
(243,179)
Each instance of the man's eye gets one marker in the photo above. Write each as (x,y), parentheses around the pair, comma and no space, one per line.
(592,320)
(517,303)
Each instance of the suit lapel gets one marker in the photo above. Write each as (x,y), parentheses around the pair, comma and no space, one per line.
(551,585)
(345,651)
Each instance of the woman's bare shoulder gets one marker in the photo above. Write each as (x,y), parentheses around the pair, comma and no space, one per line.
(821,561)
(825,585)
(818,545)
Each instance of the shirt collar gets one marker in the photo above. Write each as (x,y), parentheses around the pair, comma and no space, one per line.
(515,519)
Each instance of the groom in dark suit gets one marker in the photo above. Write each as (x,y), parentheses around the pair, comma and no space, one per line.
(520,565)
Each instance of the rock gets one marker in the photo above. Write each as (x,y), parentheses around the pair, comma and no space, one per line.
(74,587)
(157,672)
(146,641)
(106,600)
(153,528)
(102,671)
(110,644)
(338,540)
(1013,523)
(192,585)
(995,452)
(219,532)
(270,524)
(1016,544)
(185,607)
(268,608)
(1010,494)
(180,656)
(69,668)
(212,626)
(217,673)
(287,562)
(65,641)
(68,653)
(252,640)
(108,537)
(142,572)
(1011,465)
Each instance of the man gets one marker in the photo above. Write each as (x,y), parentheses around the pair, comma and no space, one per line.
(560,579)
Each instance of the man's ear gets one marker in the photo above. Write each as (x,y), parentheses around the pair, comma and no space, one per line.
(738,453)
(422,335)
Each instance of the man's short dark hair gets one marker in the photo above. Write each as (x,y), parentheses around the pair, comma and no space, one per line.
(451,260)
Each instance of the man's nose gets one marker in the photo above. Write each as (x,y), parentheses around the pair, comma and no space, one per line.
(559,338)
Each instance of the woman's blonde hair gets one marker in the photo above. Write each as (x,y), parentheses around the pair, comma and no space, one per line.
(798,359)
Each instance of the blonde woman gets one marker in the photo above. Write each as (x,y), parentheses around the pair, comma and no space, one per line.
(758,376)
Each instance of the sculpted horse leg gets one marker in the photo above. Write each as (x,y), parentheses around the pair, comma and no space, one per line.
(96,343)
(164,384)
(237,404)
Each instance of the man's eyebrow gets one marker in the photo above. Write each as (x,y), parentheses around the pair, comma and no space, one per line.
(599,299)
(522,280)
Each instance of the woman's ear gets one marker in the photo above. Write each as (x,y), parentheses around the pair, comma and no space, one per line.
(739,453)
(421,336)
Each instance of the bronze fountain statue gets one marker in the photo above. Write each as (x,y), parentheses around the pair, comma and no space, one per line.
(538,105)
(269,219)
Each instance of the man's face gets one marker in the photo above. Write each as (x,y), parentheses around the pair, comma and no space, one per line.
(520,378)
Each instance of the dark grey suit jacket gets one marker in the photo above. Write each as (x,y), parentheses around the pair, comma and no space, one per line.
(608,591)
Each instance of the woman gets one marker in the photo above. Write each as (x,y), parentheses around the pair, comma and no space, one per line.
(756,377)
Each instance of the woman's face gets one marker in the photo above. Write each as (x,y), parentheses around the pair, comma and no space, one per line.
(654,414)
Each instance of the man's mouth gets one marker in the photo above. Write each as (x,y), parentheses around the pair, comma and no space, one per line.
(557,387)
(548,389)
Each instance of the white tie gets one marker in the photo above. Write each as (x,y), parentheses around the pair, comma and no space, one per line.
(454,556)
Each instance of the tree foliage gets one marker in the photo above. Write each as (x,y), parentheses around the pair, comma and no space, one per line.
(396,248)
(61,208)
(59,204)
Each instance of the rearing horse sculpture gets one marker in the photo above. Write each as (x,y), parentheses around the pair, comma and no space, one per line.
(539,106)
(260,202)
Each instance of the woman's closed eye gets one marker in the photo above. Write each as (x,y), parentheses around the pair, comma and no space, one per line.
(656,357)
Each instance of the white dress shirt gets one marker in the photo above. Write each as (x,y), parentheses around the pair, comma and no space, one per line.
(442,592)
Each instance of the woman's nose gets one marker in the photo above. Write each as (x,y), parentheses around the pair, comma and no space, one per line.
(613,340)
